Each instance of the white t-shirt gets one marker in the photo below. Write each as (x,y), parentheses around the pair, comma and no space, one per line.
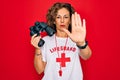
(70,65)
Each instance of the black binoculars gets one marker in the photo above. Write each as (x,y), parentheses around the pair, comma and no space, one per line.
(40,27)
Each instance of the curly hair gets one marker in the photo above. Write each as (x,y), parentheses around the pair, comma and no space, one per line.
(52,13)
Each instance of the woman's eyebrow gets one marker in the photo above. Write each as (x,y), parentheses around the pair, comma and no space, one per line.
(63,15)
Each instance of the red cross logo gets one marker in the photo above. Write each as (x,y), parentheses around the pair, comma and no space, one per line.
(63,60)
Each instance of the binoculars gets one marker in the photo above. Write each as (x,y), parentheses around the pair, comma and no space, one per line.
(40,27)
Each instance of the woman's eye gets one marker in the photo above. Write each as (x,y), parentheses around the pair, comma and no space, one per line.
(66,17)
(58,17)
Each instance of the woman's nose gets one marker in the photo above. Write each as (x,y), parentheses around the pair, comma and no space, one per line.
(62,20)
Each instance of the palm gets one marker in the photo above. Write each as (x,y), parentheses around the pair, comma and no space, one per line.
(78,32)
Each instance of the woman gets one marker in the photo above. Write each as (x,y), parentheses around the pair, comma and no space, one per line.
(58,58)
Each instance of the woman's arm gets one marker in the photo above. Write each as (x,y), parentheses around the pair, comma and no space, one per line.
(78,34)
(38,63)
(86,52)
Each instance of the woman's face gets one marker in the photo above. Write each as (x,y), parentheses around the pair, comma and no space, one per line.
(62,19)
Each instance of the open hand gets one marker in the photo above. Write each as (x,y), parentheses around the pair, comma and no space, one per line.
(78,32)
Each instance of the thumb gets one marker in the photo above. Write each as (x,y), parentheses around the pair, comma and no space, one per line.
(67,32)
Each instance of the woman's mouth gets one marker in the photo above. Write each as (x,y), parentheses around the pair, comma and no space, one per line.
(62,25)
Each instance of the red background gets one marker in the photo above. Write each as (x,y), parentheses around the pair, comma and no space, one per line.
(17,54)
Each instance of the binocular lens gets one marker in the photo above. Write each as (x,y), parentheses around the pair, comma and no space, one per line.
(50,31)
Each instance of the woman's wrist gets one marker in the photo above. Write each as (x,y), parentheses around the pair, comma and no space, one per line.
(82,45)
(37,51)
(37,48)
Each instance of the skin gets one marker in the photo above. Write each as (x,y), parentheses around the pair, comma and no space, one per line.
(62,21)
(77,35)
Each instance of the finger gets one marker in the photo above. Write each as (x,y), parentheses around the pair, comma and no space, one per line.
(33,36)
(76,19)
(67,32)
(35,40)
(79,20)
(73,20)
(38,37)
(84,24)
